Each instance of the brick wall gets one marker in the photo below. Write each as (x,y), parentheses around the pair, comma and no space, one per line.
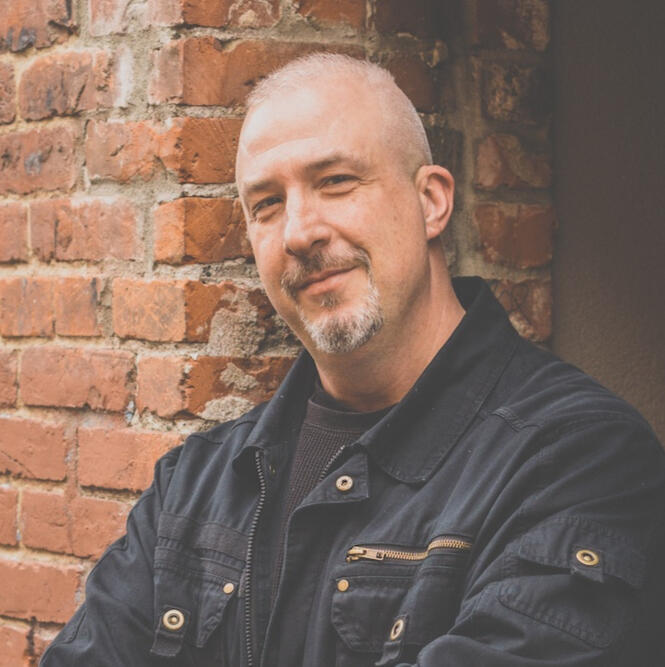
(130,309)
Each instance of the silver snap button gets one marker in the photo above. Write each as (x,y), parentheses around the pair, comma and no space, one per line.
(173,620)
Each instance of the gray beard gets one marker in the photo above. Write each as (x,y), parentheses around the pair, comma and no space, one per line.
(339,334)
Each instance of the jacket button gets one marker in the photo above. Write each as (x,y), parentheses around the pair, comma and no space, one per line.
(587,557)
(397,629)
(173,620)
(344,483)
(343,585)
(229,588)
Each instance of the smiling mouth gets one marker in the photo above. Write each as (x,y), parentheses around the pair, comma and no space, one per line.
(322,276)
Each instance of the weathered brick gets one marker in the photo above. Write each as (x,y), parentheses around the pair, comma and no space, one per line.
(26,307)
(198,229)
(8,385)
(91,229)
(349,12)
(171,310)
(220,388)
(209,387)
(75,304)
(75,378)
(121,459)
(447,148)
(81,526)
(67,83)
(7,93)
(122,151)
(219,14)
(42,159)
(422,18)
(32,449)
(41,639)
(502,161)
(8,509)
(36,23)
(113,16)
(519,235)
(512,24)
(13,645)
(529,306)
(161,383)
(13,232)
(40,590)
(152,310)
(515,93)
(416,79)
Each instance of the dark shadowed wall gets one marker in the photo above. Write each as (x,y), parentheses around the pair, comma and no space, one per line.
(609,259)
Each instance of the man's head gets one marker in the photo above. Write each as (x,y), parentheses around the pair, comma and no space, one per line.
(342,203)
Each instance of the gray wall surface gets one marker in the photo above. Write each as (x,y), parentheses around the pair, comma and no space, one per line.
(609,137)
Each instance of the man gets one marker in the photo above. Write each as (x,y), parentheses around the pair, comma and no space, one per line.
(425,487)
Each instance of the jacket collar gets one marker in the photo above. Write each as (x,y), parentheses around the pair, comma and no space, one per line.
(412,440)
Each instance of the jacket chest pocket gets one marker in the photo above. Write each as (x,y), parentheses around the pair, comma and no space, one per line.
(385,611)
(197,571)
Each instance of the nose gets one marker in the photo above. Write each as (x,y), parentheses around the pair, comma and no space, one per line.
(306,229)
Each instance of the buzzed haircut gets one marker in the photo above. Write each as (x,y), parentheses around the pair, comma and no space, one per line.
(404,125)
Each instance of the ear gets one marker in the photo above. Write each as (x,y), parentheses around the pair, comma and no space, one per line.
(436,189)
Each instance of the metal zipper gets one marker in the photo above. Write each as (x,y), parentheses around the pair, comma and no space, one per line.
(359,552)
(248,561)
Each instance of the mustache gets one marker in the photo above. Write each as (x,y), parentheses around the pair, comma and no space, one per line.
(309,265)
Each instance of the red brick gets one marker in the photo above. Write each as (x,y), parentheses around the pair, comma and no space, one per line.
(7,93)
(198,229)
(73,378)
(202,150)
(41,638)
(160,383)
(35,589)
(13,645)
(149,310)
(8,508)
(219,14)
(512,24)
(122,459)
(13,232)
(502,161)
(529,306)
(76,303)
(111,16)
(515,93)
(26,307)
(422,18)
(82,526)
(519,235)
(35,160)
(417,80)
(8,385)
(91,230)
(32,449)
(121,151)
(214,384)
(67,83)
(36,23)
(349,12)
(204,71)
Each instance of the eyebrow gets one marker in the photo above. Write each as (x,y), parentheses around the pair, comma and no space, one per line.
(333,159)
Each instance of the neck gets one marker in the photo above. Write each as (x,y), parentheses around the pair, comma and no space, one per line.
(382,371)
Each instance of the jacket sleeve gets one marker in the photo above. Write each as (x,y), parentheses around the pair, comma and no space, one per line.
(572,572)
(116,622)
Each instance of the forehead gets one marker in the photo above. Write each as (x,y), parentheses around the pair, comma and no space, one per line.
(309,124)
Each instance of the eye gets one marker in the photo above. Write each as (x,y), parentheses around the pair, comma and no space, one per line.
(339,179)
(262,206)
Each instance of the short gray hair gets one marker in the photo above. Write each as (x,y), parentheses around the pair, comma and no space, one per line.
(406,127)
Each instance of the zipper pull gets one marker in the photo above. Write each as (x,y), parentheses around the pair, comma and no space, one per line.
(356,553)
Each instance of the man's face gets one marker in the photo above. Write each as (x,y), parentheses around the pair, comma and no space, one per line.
(333,216)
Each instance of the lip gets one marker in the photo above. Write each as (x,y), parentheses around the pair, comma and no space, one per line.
(323,281)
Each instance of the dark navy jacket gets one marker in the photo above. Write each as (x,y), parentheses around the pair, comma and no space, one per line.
(507,512)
